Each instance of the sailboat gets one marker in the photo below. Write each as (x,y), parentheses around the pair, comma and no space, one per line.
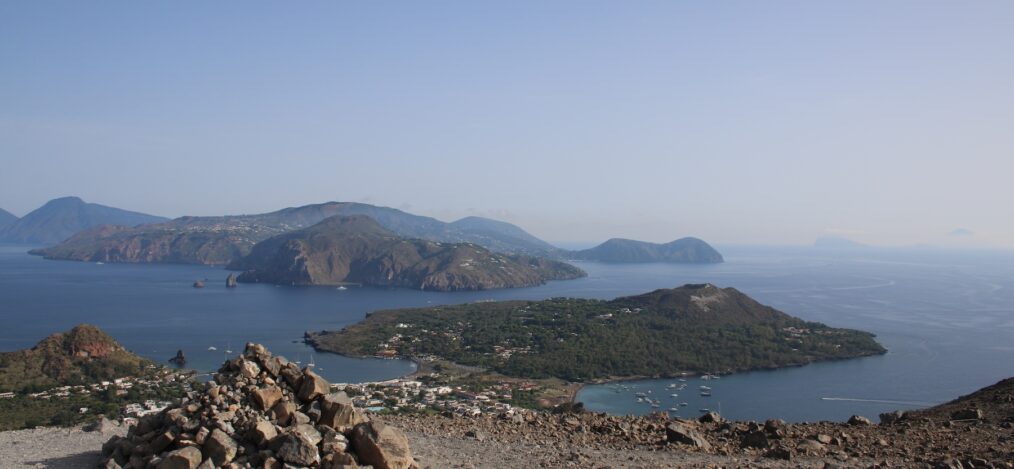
(311,364)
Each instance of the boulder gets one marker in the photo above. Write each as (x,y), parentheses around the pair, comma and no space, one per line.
(312,386)
(967,414)
(677,432)
(282,411)
(249,369)
(220,447)
(888,418)
(295,449)
(183,458)
(266,397)
(291,374)
(859,420)
(710,417)
(382,446)
(308,432)
(263,432)
(810,447)
(755,439)
(338,413)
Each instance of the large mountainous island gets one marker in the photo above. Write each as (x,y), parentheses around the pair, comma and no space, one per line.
(60,218)
(6,218)
(220,240)
(683,250)
(694,328)
(357,249)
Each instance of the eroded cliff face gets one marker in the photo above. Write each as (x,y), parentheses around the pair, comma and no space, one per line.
(145,245)
(358,250)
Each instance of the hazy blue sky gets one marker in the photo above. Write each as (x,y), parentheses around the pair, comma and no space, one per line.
(740,122)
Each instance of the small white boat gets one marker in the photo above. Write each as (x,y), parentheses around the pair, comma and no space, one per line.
(704,410)
(674,395)
(705,388)
(212,348)
(99,263)
(683,404)
(341,287)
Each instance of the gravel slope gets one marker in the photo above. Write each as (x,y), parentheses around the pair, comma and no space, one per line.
(70,448)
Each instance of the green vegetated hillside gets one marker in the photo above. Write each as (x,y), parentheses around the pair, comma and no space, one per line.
(83,355)
(694,328)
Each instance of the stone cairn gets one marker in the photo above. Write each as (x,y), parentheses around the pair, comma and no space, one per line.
(261,411)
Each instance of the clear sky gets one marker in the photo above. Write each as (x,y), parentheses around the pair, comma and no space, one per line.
(739,122)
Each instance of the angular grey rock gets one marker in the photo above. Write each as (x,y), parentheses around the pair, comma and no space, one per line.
(266,397)
(859,420)
(888,418)
(677,432)
(312,386)
(756,439)
(295,449)
(220,448)
(308,432)
(967,414)
(710,417)
(381,446)
(183,458)
(263,432)
(338,412)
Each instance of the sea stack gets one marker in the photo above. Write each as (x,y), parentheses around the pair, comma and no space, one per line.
(230,281)
(179,359)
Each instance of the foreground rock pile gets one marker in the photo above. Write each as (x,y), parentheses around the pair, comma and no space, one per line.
(261,411)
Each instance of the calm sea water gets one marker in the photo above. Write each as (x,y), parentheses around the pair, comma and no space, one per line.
(947,319)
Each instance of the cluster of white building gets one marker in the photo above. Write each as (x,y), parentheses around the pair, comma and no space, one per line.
(406,394)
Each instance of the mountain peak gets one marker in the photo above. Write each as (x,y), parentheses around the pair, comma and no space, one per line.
(65,201)
(61,218)
(81,355)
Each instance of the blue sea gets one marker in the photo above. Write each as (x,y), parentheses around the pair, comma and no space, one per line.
(947,319)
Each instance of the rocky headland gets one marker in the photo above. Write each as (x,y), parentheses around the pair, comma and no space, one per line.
(358,250)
